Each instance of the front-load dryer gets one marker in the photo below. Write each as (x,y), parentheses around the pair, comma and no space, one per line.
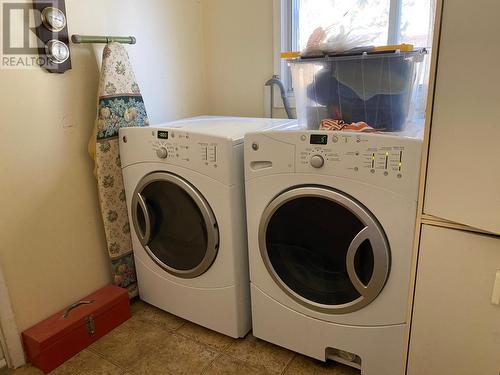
(331,223)
(184,187)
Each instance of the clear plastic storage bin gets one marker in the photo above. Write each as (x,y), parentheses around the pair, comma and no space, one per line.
(374,88)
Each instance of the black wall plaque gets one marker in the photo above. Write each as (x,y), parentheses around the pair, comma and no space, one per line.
(45,35)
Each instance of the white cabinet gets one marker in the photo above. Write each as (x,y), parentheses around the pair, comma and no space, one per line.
(463,182)
(456,328)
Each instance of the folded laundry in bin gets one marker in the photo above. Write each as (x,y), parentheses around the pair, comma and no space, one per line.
(330,124)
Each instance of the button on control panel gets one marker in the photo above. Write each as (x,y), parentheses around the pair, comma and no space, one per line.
(317,161)
(162,152)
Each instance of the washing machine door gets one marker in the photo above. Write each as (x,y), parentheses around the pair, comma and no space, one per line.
(175,224)
(324,249)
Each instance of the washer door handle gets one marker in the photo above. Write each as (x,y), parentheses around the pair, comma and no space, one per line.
(361,237)
(380,263)
(145,236)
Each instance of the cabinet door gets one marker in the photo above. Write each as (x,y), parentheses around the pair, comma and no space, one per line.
(464,162)
(455,327)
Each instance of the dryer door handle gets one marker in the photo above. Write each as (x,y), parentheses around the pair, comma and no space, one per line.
(145,236)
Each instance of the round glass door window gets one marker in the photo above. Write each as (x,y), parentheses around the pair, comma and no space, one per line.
(175,224)
(324,249)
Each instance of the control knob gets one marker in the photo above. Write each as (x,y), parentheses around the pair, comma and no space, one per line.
(162,153)
(317,161)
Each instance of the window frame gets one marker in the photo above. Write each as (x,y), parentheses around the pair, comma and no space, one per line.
(284,39)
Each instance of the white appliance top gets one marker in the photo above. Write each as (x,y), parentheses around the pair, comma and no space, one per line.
(208,145)
(233,128)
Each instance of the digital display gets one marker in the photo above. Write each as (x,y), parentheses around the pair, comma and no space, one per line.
(162,135)
(319,139)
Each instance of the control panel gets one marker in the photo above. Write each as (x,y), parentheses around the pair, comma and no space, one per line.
(178,145)
(357,153)
(388,161)
(208,155)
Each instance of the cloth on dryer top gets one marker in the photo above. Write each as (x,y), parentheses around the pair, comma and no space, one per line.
(120,104)
(329,124)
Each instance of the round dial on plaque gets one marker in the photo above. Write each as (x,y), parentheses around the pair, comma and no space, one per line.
(53,19)
(57,51)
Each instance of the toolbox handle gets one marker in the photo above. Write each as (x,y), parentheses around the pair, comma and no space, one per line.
(74,306)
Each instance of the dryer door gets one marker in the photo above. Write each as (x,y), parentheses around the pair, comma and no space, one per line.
(324,249)
(175,224)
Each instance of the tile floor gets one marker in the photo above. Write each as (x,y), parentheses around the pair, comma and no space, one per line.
(154,342)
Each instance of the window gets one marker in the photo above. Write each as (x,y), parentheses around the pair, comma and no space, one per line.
(385,22)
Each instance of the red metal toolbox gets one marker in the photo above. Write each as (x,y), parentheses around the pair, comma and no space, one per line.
(55,340)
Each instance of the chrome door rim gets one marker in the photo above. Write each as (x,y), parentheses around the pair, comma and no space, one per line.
(372,232)
(208,218)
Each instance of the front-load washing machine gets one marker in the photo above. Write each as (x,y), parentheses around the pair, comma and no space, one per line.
(184,187)
(331,223)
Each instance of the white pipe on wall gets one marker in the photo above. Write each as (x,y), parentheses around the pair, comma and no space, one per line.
(10,339)
(3,362)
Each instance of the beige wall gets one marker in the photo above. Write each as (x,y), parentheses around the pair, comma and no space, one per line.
(239,55)
(52,244)
(192,57)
